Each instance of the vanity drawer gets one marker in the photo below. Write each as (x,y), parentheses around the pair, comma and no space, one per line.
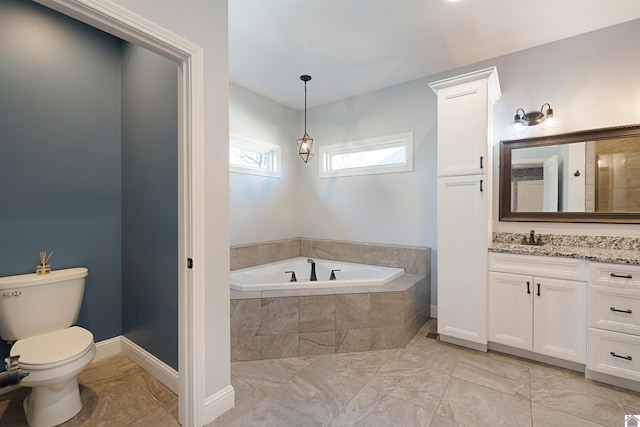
(615,309)
(620,275)
(541,266)
(614,353)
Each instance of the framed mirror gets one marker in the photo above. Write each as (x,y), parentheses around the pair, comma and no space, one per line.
(586,176)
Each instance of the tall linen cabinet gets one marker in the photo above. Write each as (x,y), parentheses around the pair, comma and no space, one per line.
(464,203)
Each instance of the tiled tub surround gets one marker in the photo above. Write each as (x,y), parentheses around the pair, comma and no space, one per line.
(277,275)
(305,322)
(414,260)
(616,250)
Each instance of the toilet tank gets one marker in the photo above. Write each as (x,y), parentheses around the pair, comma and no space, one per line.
(32,304)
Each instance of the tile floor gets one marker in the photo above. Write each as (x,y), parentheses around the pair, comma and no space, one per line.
(115,392)
(428,383)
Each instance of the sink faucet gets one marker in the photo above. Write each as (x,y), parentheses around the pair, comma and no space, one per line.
(532,237)
(313,277)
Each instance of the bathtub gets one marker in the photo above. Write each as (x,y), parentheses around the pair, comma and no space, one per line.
(273,277)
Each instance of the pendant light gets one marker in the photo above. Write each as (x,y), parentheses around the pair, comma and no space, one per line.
(306,142)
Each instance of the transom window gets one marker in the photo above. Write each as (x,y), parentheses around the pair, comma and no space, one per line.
(392,153)
(254,157)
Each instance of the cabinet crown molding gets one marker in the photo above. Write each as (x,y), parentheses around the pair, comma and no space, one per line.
(490,74)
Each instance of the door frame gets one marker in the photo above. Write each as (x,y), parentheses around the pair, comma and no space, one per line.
(123,23)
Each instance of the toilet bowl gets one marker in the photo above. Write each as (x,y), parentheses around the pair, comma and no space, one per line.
(53,361)
(36,315)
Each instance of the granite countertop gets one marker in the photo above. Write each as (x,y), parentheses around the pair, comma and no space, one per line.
(615,256)
(616,250)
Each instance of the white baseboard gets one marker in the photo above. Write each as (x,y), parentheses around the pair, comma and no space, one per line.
(108,348)
(434,311)
(147,361)
(219,403)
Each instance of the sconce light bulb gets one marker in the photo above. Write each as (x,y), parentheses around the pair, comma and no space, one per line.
(517,127)
(551,121)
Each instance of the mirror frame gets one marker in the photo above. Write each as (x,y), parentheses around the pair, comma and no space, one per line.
(504,189)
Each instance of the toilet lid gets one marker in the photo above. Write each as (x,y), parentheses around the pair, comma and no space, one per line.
(52,347)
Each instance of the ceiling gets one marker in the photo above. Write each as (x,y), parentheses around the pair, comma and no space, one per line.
(350,47)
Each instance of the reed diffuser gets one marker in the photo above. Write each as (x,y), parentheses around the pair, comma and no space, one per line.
(44,267)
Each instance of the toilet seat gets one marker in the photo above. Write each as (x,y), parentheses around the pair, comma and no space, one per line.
(53,348)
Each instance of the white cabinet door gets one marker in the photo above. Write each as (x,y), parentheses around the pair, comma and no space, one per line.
(462,258)
(511,310)
(559,313)
(462,129)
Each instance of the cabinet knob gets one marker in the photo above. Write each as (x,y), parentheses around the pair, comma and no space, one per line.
(528,290)
(538,289)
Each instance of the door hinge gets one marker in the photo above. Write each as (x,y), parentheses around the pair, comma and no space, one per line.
(189,263)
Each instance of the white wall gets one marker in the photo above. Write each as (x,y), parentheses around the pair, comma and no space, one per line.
(264,208)
(395,208)
(204,22)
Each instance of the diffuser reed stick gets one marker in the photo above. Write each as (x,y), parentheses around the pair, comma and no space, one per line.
(44,267)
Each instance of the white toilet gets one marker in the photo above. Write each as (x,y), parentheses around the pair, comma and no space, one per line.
(36,314)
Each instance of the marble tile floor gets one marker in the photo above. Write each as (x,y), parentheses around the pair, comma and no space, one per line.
(427,383)
(115,392)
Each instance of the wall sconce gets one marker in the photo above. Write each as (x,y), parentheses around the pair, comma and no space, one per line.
(534,118)
(305,144)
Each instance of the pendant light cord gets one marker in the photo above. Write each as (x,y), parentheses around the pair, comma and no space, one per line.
(305,108)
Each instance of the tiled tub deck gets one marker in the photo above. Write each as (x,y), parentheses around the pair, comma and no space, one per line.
(274,324)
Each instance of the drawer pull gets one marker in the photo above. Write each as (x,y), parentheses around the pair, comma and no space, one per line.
(12,294)
(538,289)
(622,276)
(621,357)
(528,290)
(621,311)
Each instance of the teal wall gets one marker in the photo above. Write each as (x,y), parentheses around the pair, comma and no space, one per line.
(77,178)
(60,154)
(150,202)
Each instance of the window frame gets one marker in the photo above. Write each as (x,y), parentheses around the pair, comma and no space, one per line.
(404,139)
(248,144)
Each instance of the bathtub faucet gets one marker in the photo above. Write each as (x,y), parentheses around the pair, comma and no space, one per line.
(313,277)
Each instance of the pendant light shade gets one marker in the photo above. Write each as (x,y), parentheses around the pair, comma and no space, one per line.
(305,144)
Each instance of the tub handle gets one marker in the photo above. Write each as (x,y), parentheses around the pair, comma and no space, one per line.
(293,276)
(12,294)
(333,274)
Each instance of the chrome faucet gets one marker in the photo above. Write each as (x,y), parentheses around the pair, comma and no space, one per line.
(532,237)
(313,277)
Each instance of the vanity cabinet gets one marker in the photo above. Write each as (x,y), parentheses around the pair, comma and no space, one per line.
(464,223)
(538,304)
(614,320)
